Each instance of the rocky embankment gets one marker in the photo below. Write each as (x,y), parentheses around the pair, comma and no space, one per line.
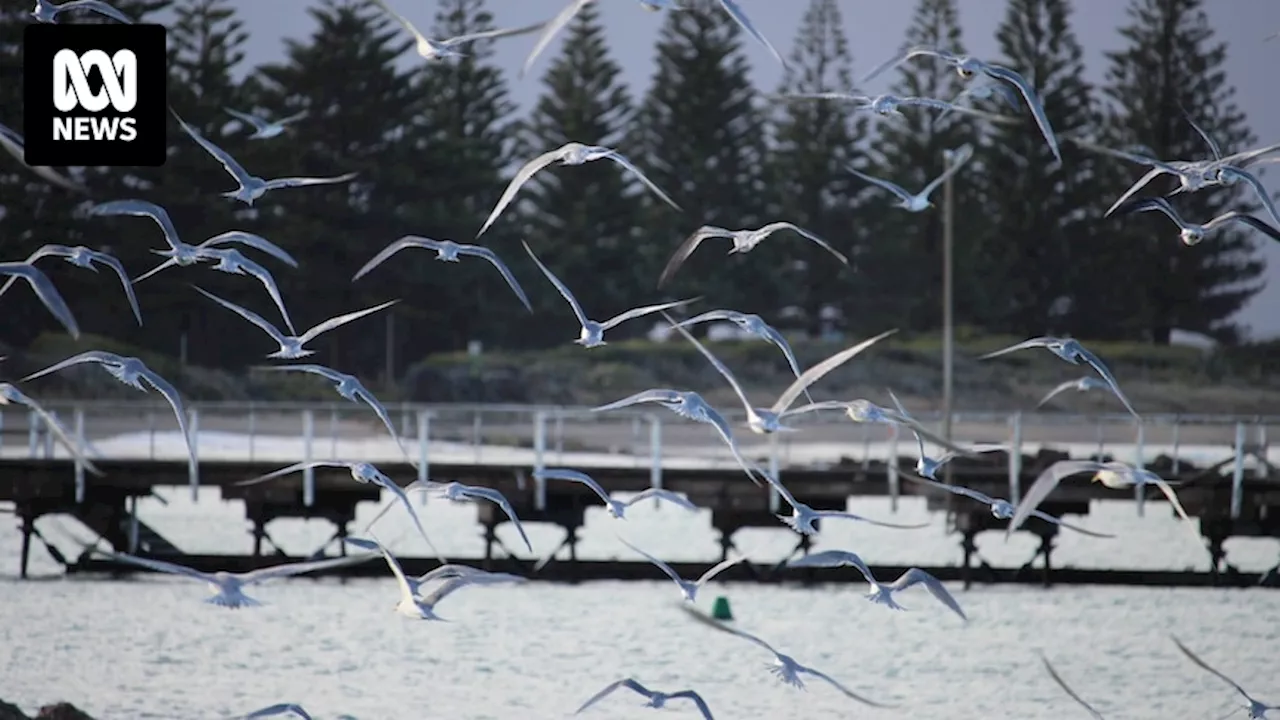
(57,711)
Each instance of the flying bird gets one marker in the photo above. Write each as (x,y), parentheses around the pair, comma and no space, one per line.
(16,145)
(349,387)
(1067,689)
(83,257)
(755,325)
(46,12)
(457,492)
(1257,710)
(1191,233)
(10,395)
(882,594)
(926,466)
(1115,475)
(1229,175)
(44,289)
(743,241)
(446,571)
(919,202)
(1072,351)
(616,508)
(446,251)
(429,49)
(865,411)
(1001,509)
(422,607)
(688,589)
(592,334)
(879,104)
(802,516)
(264,129)
(656,699)
(1084,384)
(280,709)
(573,153)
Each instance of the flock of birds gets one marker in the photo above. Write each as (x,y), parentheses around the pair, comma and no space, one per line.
(220,253)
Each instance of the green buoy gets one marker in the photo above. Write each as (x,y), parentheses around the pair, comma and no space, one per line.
(720,609)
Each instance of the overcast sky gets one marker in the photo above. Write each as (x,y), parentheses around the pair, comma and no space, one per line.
(875,29)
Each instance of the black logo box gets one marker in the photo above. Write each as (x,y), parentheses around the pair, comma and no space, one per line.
(40,42)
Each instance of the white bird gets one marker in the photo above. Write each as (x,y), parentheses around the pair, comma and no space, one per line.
(755,325)
(16,145)
(1229,175)
(882,594)
(865,411)
(446,251)
(743,241)
(349,387)
(1084,384)
(1115,475)
(688,589)
(430,49)
(251,187)
(802,516)
(421,608)
(291,346)
(616,508)
(1072,351)
(1067,689)
(657,699)
(1001,509)
(784,667)
(967,67)
(457,492)
(919,202)
(46,12)
(83,257)
(879,104)
(131,371)
(264,129)
(447,571)
(228,588)
(592,334)
(928,467)
(44,289)
(10,395)
(279,709)
(572,153)
(1192,233)
(1257,710)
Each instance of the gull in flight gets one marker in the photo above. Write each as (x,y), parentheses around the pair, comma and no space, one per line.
(784,667)
(279,709)
(1084,384)
(83,257)
(802,516)
(1257,710)
(592,334)
(429,49)
(573,153)
(616,508)
(1001,509)
(44,289)
(291,346)
(1063,684)
(967,67)
(743,241)
(688,589)
(457,492)
(882,594)
(755,325)
(656,698)
(446,251)
(349,387)
(131,371)
(16,145)
(252,187)
(46,12)
(10,395)
(1115,475)
(422,608)
(926,466)
(919,202)
(228,588)
(264,129)
(446,571)
(865,411)
(1192,233)
(879,104)
(1072,351)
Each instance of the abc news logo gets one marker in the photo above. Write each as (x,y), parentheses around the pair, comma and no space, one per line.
(95,95)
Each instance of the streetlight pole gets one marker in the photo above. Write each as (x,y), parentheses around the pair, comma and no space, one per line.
(948,320)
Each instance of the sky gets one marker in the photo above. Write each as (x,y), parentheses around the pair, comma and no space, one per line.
(875,29)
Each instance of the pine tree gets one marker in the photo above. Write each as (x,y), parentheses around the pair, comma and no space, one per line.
(814,143)
(1173,62)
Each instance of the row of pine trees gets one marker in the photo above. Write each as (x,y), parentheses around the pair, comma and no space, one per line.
(434,145)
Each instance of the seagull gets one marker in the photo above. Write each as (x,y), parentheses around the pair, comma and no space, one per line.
(233,262)
(1229,175)
(44,289)
(420,608)
(131,371)
(1001,509)
(429,49)
(446,251)
(928,467)
(446,571)
(592,334)
(656,699)
(879,104)
(616,508)
(572,153)
(784,667)
(967,67)
(1062,684)
(1072,351)
(882,594)
(802,516)
(743,241)
(10,395)
(228,588)
(1191,233)
(1257,710)
(252,187)
(279,709)
(763,422)
(457,492)
(291,346)
(689,590)
(83,257)
(349,387)
(15,145)
(264,129)
(363,473)
(919,202)
(47,12)
(865,411)
(1115,475)
(1084,384)
(755,325)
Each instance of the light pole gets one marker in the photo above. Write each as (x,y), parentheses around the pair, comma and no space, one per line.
(948,320)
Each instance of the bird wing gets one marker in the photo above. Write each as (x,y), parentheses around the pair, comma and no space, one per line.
(97,6)
(521,177)
(406,591)
(495,34)
(774,227)
(1058,391)
(817,372)
(166,264)
(572,476)
(341,320)
(293,182)
(1249,220)
(618,158)
(278,709)
(700,617)
(1213,144)
(380,410)
(610,688)
(293,469)
(1096,363)
(846,691)
(1033,103)
(687,247)
(233,168)
(719,568)
(97,356)
(560,286)
(257,122)
(327,373)
(1259,189)
(697,700)
(268,281)
(1044,484)
(56,427)
(813,407)
(656,395)
(916,576)
(247,314)
(1172,497)
(881,523)
(954,489)
(15,145)
(44,289)
(408,241)
(741,18)
(552,26)
(1059,521)
(707,316)
(257,242)
(665,568)
(507,275)
(160,566)
(833,558)
(906,55)
(170,394)
(1152,203)
(715,362)
(140,208)
(404,22)
(958,159)
(661,494)
(903,411)
(1205,666)
(301,568)
(114,263)
(1062,684)
(825,96)
(500,500)
(1032,343)
(887,185)
(1142,182)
